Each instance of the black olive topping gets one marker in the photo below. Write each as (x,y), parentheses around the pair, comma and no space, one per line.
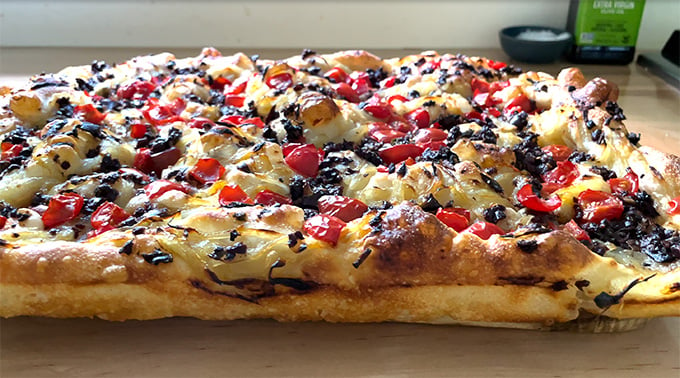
(233,234)
(127,247)
(494,214)
(157,257)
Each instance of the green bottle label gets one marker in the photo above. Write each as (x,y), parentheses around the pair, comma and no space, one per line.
(608,22)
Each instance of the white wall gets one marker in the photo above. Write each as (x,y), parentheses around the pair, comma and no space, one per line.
(295,23)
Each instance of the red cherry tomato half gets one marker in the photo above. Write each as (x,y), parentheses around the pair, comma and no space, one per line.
(159,115)
(89,113)
(201,123)
(394,98)
(563,175)
(453,218)
(160,187)
(281,81)
(494,112)
(304,160)
(674,206)
(108,215)
(137,130)
(419,117)
(234,100)
(3,222)
(219,83)
(474,115)
(381,111)
(61,209)
(10,150)
(530,200)
(324,227)
(558,151)
(627,184)
(148,162)
(237,88)
(479,86)
(389,82)
(345,90)
(598,205)
(136,90)
(576,231)
(207,170)
(233,193)
(496,65)
(484,230)
(269,198)
(518,104)
(344,208)
(337,75)
(400,152)
(429,135)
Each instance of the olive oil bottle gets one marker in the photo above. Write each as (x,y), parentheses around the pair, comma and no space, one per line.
(605,31)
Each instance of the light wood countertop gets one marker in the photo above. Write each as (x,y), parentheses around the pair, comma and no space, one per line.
(38,347)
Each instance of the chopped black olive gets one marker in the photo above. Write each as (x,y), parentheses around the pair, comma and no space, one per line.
(294,237)
(614,110)
(228,253)
(240,216)
(110,178)
(127,247)
(492,183)
(606,173)
(519,120)
(485,134)
(109,164)
(531,157)
(402,170)
(368,150)
(106,192)
(91,204)
(598,136)
(93,129)
(494,214)
(93,152)
(579,157)
(233,234)
(430,204)
(633,138)
(527,245)
(138,230)
(306,53)
(157,257)
(39,199)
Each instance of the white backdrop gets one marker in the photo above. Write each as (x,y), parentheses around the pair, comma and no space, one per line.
(296,23)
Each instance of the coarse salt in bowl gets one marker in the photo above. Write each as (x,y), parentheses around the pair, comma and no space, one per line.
(534,44)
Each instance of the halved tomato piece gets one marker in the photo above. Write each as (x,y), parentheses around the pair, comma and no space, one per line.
(342,207)
(598,205)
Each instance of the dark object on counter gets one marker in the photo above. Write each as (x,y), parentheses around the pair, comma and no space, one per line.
(666,64)
(605,32)
(521,43)
(671,50)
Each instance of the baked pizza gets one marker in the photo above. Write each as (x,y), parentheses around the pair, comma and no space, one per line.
(340,187)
